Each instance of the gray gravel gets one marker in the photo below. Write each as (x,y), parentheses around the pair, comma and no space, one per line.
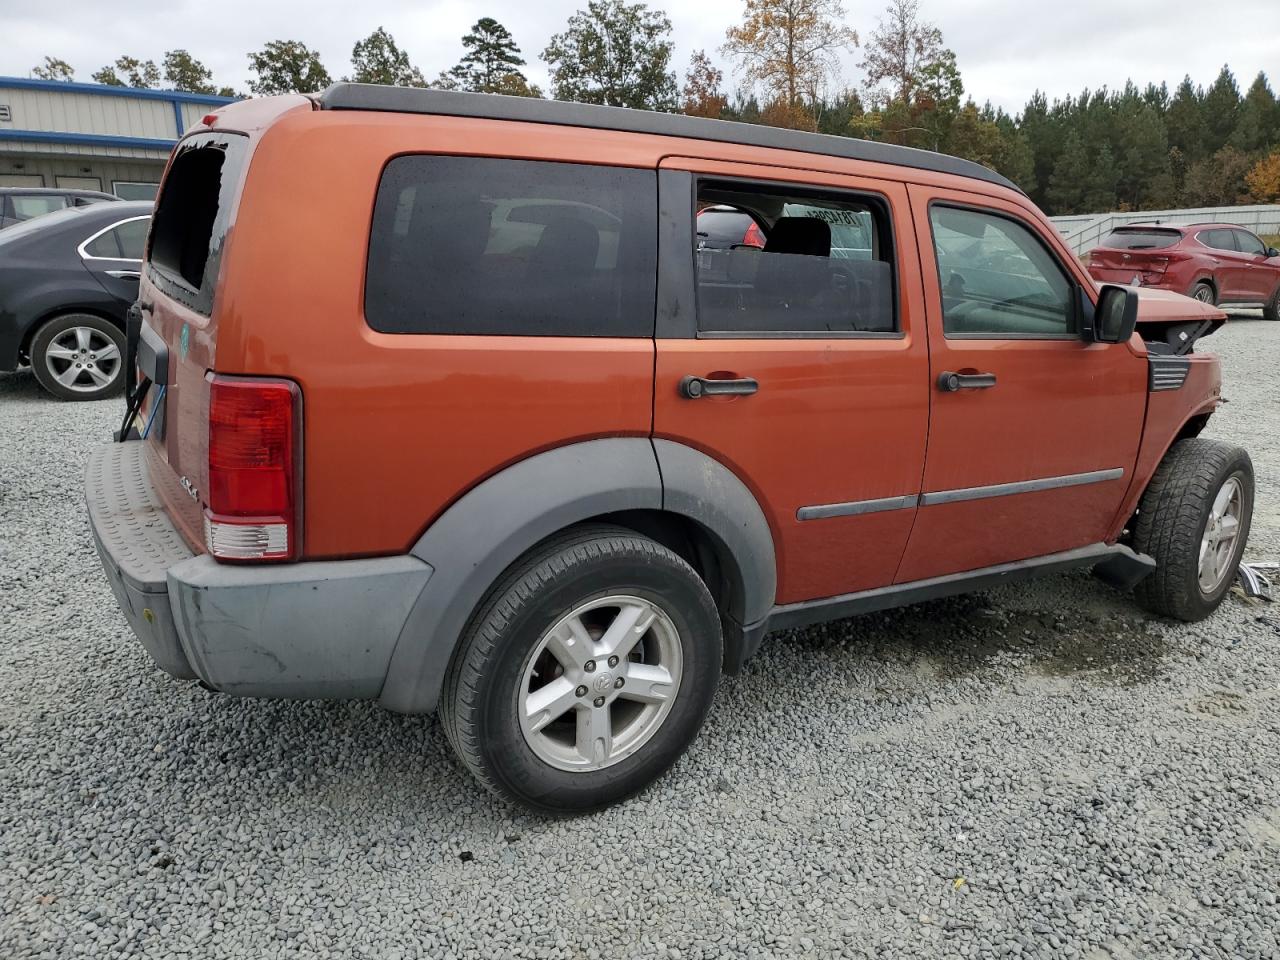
(1034,772)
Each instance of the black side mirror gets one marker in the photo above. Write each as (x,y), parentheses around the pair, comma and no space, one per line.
(1272,252)
(1114,318)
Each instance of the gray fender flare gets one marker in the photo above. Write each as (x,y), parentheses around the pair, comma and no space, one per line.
(477,538)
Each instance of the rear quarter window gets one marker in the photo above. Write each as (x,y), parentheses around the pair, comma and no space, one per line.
(465,245)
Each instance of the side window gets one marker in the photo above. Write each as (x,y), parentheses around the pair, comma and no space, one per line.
(122,242)
(466,245)
(795,262)
(1218,240)
(1247,243)
(997,278)
(26,207)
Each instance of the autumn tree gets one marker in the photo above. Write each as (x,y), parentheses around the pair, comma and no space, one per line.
(1263,179)
(378,59)
(902,52)
(615,53)
(287,66)
(790,47)
(1217,180)
(184,72)
(702,95)
(491,63)
(53,69)
(129,72)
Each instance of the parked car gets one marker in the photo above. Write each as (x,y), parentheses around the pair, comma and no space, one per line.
(552,474)
(18,204)
(1213,262)
(67,280)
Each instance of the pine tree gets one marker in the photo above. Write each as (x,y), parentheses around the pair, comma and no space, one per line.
(492,62)
(1185,121)
(1221,110)
(1071,178)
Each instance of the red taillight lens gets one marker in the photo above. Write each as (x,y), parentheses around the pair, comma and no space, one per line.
(754,237)
(252,508)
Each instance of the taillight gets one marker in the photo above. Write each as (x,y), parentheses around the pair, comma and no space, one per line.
(253,509)
(754,237)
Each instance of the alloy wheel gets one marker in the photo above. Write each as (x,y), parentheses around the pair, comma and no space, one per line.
(1217,546)
(83,359)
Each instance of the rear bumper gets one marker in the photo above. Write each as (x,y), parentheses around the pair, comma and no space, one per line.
(324,629)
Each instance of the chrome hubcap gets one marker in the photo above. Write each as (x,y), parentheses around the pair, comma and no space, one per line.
(83,359)
(1218,545)
(600,683)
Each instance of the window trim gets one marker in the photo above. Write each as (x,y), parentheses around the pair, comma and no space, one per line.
(876,198)
(1072,282)
(84,255)
(1209,246)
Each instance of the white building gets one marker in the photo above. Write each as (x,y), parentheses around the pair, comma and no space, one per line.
(89,136)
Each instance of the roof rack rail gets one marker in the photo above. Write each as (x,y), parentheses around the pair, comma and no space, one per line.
(491,106)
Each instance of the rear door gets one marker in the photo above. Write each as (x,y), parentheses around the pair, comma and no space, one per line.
(823,359)
(1031,450)
(114,256)
(1228,266)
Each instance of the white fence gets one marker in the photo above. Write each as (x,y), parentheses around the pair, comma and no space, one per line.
(1085,231)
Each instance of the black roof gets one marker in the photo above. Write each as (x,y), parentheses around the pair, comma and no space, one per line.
(490,106)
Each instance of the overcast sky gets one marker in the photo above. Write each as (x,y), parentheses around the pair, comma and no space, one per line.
(1006,48)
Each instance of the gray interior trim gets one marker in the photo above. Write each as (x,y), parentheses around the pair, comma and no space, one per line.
(857,507)
(809,612)
(1019,486)
(367,96)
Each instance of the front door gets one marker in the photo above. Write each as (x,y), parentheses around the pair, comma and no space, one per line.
(1259,273)
(802,364)
(1033,432)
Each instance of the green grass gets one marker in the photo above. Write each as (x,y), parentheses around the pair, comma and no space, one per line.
(1272,240)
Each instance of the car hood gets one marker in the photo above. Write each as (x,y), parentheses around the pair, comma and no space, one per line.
(1163,306)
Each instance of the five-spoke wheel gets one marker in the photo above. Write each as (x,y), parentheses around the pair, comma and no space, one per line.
(79,357)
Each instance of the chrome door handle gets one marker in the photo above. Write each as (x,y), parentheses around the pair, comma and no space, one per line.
(692,388)
(124,274)
(951,382)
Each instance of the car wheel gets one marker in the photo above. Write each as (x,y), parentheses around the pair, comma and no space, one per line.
(1271,309)
(1204,293)
(585,673)
(79,357)
(1194,521)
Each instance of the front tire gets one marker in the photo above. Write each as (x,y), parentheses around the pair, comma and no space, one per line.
(1194,520)
(586,672)
(78,356)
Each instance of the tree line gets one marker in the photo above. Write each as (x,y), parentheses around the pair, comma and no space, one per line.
(1139,148)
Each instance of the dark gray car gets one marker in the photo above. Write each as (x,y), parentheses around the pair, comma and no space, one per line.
(67,280)
(19,204)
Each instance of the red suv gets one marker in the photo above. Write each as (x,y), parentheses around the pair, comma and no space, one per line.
(1212,262)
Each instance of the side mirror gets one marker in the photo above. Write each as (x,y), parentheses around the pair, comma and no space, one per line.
(1272,252)
(1114,318)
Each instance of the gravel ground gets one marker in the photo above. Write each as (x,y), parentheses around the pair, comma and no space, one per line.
(1038,771)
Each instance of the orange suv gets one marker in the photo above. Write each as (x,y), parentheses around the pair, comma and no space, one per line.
(441,403)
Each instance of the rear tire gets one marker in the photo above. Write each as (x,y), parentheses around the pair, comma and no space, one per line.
(1180,524)
(1271,309)
(539,707)
(1205,293)
(78,356)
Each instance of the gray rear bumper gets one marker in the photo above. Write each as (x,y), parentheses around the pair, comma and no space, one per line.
(324,629)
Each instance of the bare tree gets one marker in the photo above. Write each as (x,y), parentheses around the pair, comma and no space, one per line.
(790,47)
(900,52)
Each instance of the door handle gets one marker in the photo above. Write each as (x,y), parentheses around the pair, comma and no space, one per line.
(951,382)
(694,387)
(124,274)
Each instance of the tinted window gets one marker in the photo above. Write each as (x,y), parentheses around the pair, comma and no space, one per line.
(826,266)
(193,215)
(26,207)
(124,242)
(1217,239)
(997,279)
(135,191)
(1248,243)
(512,247)
(1142,239)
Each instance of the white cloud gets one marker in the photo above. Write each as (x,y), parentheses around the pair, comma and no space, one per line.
(1006,49)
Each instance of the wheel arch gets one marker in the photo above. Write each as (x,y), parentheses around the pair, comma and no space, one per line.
(680,497)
